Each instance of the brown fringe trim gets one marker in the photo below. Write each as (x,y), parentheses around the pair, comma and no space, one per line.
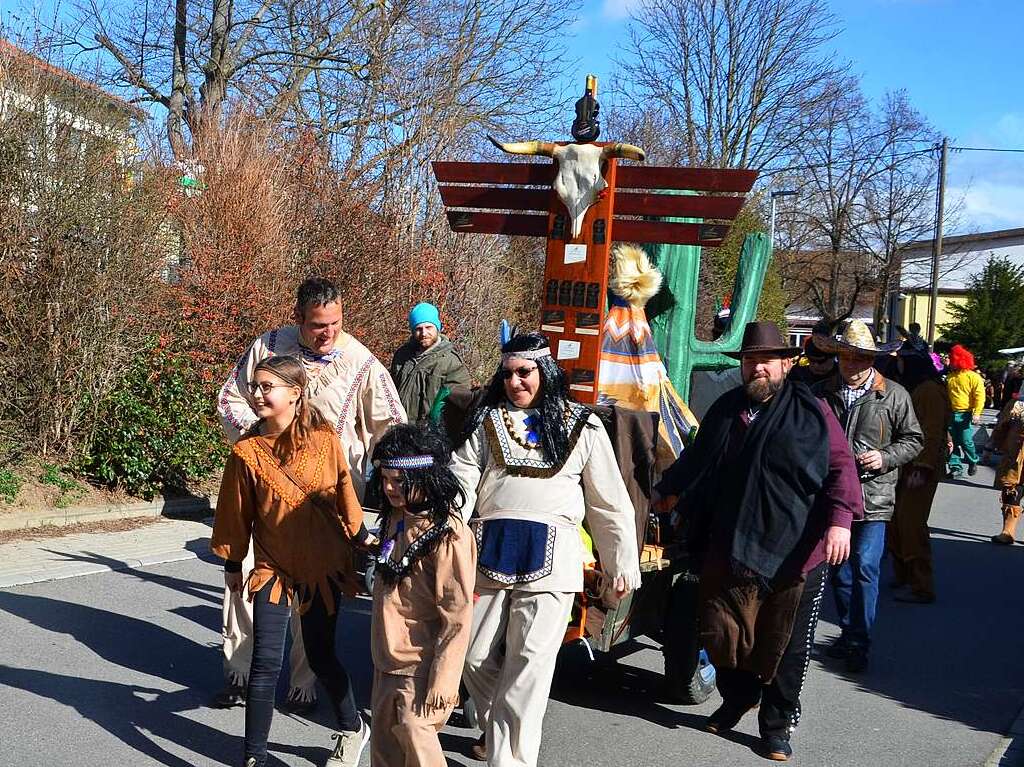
(300,596)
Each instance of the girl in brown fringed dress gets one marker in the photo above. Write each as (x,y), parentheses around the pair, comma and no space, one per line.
(287,486)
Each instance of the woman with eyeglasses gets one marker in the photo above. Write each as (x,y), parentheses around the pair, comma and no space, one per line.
(288,489)
(534,466)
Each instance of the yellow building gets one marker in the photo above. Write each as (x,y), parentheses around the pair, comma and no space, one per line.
(963,257)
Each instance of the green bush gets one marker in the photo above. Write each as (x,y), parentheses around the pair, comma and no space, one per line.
(10,485)
(70,489)
(158,430)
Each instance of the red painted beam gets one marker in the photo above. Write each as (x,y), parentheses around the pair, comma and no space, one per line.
(667,233)
(677,205)
(696,179)
(496,198)
(534,173)
(498,223)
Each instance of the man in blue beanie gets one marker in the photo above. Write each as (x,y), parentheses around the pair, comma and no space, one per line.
(425,363)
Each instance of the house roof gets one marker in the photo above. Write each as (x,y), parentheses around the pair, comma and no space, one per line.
(979,238)
(27,59)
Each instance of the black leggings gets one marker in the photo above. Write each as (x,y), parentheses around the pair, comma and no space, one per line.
(270,627)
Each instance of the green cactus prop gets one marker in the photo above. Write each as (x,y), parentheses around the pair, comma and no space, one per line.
(673,312)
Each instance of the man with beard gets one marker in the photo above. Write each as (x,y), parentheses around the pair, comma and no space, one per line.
(767,493)
(426,363)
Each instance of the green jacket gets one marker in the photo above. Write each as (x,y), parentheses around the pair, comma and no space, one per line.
(883,419)
(419,375)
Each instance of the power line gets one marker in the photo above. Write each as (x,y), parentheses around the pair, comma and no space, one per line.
(769,171)
(984,149)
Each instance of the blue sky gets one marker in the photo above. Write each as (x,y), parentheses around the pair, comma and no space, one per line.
(960,61)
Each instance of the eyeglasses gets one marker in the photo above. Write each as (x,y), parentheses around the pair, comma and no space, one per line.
(266,387)
(523,372)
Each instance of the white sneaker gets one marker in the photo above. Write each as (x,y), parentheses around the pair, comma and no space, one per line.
(349,747)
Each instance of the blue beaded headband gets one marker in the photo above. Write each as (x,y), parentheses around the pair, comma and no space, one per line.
(407,462)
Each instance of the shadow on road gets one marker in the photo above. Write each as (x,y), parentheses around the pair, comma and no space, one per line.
(201,591)
(958,658)
(132,714)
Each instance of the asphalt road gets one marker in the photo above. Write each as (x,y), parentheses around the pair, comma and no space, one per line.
(116,668)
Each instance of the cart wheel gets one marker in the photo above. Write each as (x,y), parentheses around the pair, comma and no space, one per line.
(469,711)
(369,574)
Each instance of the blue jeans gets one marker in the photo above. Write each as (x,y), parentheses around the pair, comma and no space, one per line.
(855,583)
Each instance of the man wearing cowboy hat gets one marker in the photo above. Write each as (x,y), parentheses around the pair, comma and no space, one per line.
(883,432)
(767,493)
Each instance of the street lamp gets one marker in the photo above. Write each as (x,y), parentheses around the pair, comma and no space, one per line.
(779,193)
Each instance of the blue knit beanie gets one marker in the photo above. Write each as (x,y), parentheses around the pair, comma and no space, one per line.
(424,313)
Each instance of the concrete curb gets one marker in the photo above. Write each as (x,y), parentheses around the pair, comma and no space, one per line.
(43,576)
(1010,751)
(177,508)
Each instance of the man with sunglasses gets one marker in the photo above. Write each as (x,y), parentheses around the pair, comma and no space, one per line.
(767,493)
(354,391)
(534,465)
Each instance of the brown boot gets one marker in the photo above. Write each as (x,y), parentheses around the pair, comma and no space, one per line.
(1011,516)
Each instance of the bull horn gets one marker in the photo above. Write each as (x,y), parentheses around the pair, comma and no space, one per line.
(545,148)
(628,151)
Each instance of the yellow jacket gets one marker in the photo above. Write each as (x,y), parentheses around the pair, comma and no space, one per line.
(966,391)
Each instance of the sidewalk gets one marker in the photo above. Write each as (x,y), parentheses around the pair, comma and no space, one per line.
(68,556)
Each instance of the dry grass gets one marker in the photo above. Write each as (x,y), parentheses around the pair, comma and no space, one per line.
(59,531)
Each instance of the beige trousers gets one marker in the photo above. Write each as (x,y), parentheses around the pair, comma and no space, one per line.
(403,734)
(511,689)
(236,628)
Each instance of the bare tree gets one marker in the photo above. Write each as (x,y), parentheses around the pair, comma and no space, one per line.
(733,80)
(863,179)
(374,77)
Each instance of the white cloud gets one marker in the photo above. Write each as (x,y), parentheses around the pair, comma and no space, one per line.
(990,205)
(618,9)
(991,184)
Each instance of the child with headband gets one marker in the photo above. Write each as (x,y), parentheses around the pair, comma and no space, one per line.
(422,597)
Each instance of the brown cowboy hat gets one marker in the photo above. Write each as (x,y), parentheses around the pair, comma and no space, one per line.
(764,338)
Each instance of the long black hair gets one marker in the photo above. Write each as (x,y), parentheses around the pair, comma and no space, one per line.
(440,490)
(554,397)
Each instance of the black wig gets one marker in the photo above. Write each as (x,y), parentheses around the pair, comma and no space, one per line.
(440,489)
(554,397)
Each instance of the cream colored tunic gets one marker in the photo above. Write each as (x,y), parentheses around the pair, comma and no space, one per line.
(352,389)
(588,486)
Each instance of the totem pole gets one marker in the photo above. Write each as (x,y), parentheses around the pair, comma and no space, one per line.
(579,202)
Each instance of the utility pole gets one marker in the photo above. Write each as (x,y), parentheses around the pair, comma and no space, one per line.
(937,242)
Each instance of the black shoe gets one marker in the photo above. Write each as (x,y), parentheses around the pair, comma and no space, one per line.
(839,649)
(972,469)
(776,748)
(229,697)
(724,718)
(857,661)
(300,706)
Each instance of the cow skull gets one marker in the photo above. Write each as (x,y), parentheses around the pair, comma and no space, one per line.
(578,181)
